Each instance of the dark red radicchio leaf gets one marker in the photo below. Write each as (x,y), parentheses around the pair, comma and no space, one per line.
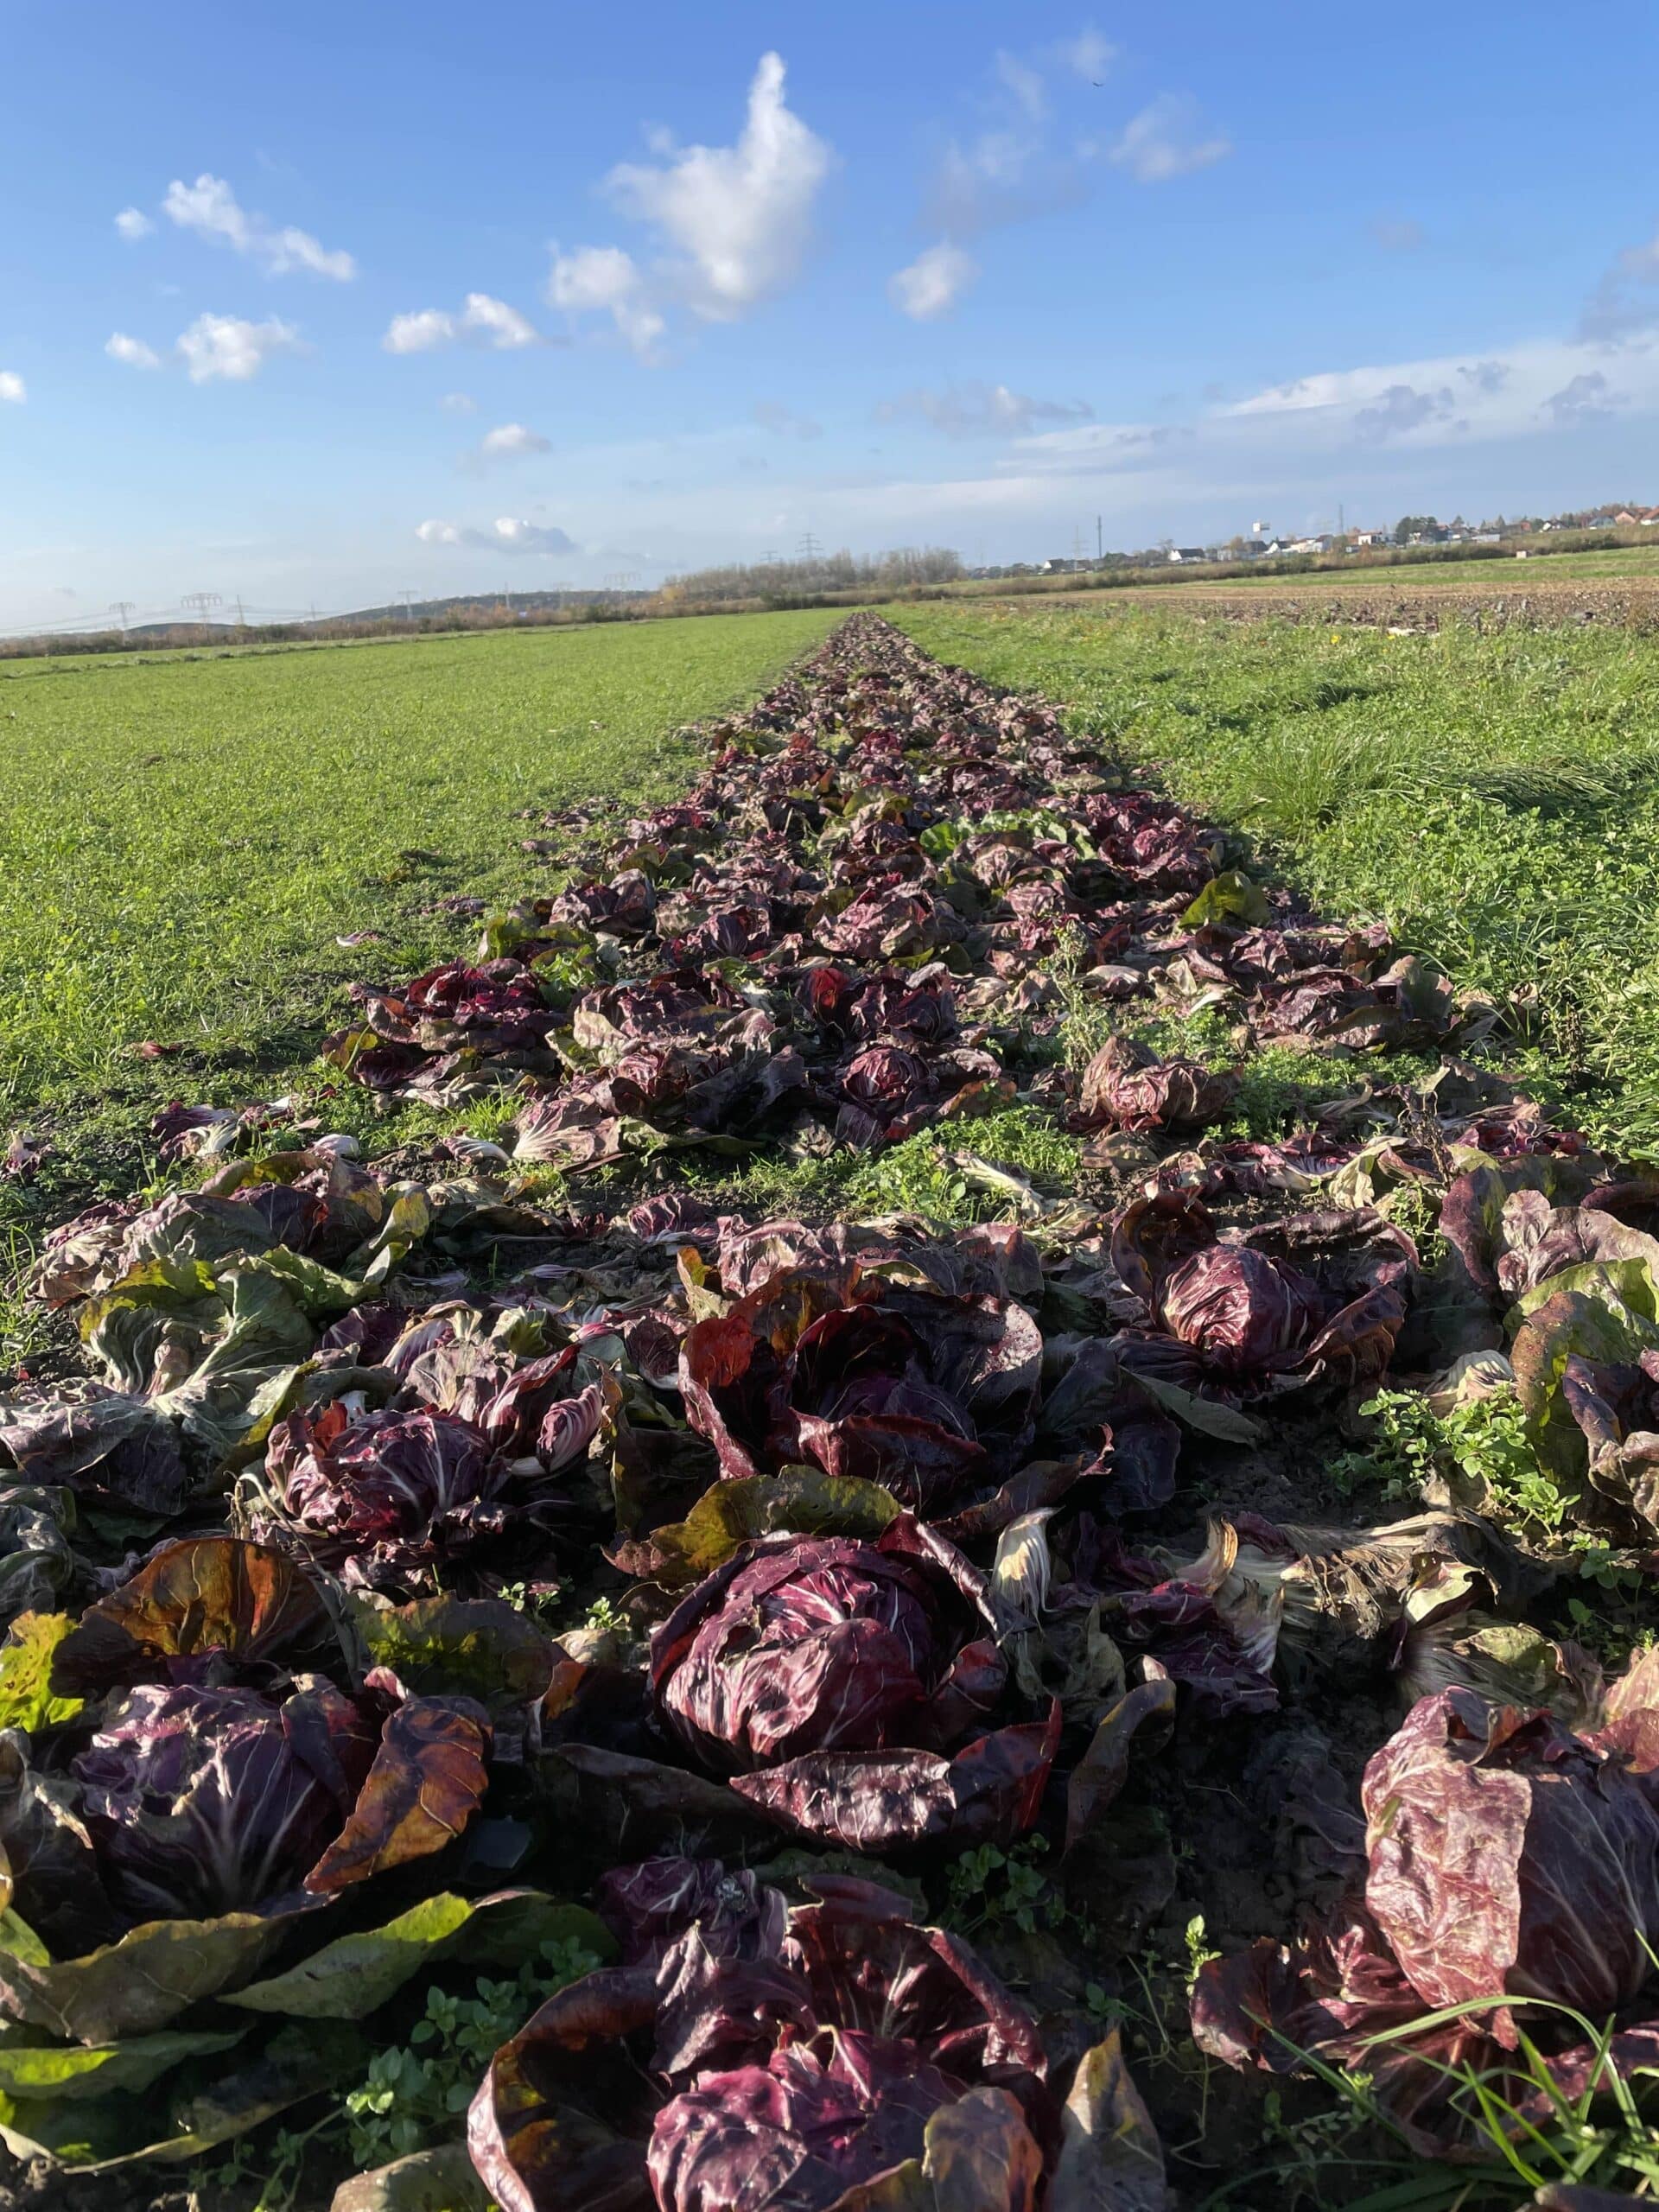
(385,1499)
(822,2119)
(841,1683)
(1126,1086)
(855,2043)
(1508,1857)
(202,1801)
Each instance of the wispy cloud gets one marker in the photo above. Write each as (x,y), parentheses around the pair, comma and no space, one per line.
(1626,299)
(983,410)
(13,390)
(932,283)
(483,320)
(133,224)
(1166,140)
(1397,234)
(1087,56)
(458,403)
(783,422)
(210,209)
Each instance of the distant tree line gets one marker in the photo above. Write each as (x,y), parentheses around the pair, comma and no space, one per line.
(898,570)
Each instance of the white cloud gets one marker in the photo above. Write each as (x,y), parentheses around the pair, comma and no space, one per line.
(1164,140)
(489,321)
(1087,55)
(218,345)
(604,280)
(506,534)
(933,281)
(132,351)
(209,207)
(133,223)
(511,441)
(13,390)
(459,403)
(495,324)
(741,215)
(983,410)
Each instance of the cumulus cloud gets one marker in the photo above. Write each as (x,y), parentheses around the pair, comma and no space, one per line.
(13,390)
(932,283)
(739,218)
(210,209)
(1402,408)
(1166,141)
(132,351)
(132,223)
(783,422)
(512,441)
(224,346)
(482,321)
(506,534)
(1588,398)
(604,280)
(983,411)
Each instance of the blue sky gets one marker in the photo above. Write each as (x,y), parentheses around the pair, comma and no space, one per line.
(317,305)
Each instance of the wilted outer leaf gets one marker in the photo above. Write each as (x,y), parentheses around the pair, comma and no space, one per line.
(425,1784)
(443,2180)
(1111,2158)
(803,1500)
(138,1985)
(210,1593)
(27,1697)
(351,1977)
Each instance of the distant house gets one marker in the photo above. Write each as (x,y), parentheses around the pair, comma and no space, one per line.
(1370,537)
(1063,568)
(1626,517)
(1187,553)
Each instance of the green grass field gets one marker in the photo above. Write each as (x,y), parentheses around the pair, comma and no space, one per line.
(182,839)
(1495,796)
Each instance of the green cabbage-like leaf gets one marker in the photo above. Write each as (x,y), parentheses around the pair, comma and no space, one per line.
(138,1985)
(349,1978)
(27,1699)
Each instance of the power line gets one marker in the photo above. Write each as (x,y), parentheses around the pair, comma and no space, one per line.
(121,609)
(809,547)
(203,602)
